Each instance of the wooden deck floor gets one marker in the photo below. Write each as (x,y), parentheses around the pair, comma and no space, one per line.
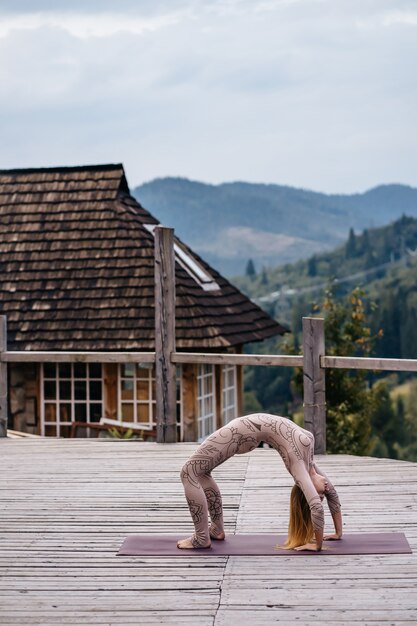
(66,506)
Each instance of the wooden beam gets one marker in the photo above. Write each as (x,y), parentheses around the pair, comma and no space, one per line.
(3,378)
(314,381)
(189,401)
(110,391)
(283,360)
(364,363)
(77,357)
(218,388)
(166,427)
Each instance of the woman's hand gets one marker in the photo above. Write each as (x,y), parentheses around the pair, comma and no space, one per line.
(312,547)
(334,537)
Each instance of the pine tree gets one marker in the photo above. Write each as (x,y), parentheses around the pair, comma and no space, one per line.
(367,251)
(312,266)
(250,270)
(351,250)
(366,244)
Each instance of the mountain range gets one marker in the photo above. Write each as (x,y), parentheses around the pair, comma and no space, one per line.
(230,223)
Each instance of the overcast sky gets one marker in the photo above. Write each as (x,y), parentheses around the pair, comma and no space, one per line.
(320,94)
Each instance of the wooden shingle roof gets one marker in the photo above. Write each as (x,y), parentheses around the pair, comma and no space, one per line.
(77,270)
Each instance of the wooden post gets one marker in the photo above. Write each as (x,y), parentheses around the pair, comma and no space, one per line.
(3,378)
(218,388)
(314,381)
(189,399)
(166,422)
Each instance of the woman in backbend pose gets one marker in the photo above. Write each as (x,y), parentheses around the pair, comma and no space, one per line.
(296,448)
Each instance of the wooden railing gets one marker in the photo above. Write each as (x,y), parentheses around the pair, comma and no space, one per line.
(313,361)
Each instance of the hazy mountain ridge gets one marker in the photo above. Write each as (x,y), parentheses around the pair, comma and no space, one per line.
(272,224)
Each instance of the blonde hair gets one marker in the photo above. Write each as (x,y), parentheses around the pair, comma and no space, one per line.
(300,526)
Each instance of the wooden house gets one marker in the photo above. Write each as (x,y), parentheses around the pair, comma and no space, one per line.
(77,273)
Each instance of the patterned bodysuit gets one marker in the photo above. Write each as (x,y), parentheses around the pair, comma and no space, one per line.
(243,434)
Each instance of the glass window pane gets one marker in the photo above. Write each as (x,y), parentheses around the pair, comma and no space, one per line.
(80,390)
(143,370)
(94,370)
(65,431)
(128,370)
(209,385)
(127,412)
(80,412)
(49,370)
(49,387)
(95,390)
(80,370)
(50,412)
(65,390)
(208,406)
(143,413)
(142,389)
(50,431)
(127,389)
(64,370)
(96,412)
(65,412)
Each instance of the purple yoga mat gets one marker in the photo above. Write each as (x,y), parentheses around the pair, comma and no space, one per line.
(264,545)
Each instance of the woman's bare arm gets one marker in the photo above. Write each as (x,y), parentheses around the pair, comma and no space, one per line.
(338,527)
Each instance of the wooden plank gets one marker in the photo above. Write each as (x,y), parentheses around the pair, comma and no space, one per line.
(166,424)
(81,501)
(283,360)
(314,381)
(77,357)
(365,363)
(70,503)
(189,401)
(278,360)
(3,378)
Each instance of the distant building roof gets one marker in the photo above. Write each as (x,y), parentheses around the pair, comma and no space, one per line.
(77,270)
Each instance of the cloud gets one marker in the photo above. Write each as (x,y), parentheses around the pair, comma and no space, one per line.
(93,7)
(408,17)
(88,25)
(313,93)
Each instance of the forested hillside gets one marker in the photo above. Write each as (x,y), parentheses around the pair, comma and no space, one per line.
(383,264)
(229,224)
(382,260)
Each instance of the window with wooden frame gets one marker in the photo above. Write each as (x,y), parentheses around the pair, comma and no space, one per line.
(229,393)
(190,264)
(206,401)
(137,399)
(70,392)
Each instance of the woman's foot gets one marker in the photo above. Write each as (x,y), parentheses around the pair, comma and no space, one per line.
(190,543)
(218,535)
